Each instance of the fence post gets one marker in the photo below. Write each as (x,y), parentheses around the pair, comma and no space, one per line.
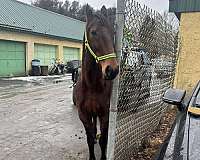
(120,18)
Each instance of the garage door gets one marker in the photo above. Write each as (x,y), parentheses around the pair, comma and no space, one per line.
(12,58)
(71,54)
(45,53)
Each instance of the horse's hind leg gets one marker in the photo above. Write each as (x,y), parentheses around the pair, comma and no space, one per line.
(88,124)
(104,136)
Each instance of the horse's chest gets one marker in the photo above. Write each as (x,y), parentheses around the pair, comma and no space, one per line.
(95,102)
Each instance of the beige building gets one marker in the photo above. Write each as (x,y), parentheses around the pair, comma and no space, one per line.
(28,32)
(188,68)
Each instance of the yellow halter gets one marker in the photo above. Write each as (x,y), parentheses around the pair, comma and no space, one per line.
(98,58)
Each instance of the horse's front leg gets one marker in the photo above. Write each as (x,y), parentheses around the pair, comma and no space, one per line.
(88,124)
(90,141)
(104,135)
(95,128)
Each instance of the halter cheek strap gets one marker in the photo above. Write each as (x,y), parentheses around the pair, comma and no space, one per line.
(98,58)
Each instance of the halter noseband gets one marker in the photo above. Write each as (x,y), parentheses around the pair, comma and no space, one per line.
(98,58)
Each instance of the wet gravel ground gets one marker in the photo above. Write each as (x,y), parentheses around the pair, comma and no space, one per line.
(39,122)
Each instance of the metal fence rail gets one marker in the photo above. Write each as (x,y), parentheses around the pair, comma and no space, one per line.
(147,67)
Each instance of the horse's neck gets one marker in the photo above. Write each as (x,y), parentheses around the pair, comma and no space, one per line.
(91,73)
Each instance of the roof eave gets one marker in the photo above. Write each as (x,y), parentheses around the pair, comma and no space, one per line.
(178,15)
(173,8)
(41,34)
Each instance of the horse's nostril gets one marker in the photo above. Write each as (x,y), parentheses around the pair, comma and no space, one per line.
(108,71)
(110,74)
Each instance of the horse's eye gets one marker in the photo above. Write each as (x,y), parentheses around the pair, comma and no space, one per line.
(94,33)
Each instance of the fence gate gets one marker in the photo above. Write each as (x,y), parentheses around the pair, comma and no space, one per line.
(146,47)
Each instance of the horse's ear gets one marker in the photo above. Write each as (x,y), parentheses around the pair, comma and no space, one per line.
(88,12)
(104,11)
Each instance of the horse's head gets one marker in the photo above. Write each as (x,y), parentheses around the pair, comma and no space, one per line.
(99,40)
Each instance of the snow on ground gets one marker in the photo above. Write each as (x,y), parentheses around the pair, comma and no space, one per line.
(39,78)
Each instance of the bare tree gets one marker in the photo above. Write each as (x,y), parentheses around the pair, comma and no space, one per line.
(52,5)
(73,9)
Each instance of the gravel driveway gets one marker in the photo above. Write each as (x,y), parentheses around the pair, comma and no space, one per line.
(39,122)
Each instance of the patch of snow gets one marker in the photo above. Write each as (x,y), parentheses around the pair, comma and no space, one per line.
(39,78)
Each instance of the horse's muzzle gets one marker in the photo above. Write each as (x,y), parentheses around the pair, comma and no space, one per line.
(111,73)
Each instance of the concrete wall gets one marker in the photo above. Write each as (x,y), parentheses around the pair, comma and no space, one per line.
(188,69)
(30,40)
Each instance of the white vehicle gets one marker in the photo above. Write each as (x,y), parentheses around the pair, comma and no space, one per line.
(163,67)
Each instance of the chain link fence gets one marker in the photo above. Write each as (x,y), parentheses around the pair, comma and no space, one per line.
(148,59)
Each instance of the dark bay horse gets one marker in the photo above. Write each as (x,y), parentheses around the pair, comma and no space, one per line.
(99,67)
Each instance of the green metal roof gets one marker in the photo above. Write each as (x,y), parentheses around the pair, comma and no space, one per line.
(179,6)
(18,16)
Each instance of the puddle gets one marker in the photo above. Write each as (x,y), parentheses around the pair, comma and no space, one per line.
(37,99)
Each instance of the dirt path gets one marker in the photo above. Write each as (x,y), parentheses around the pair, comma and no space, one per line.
(39,123)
